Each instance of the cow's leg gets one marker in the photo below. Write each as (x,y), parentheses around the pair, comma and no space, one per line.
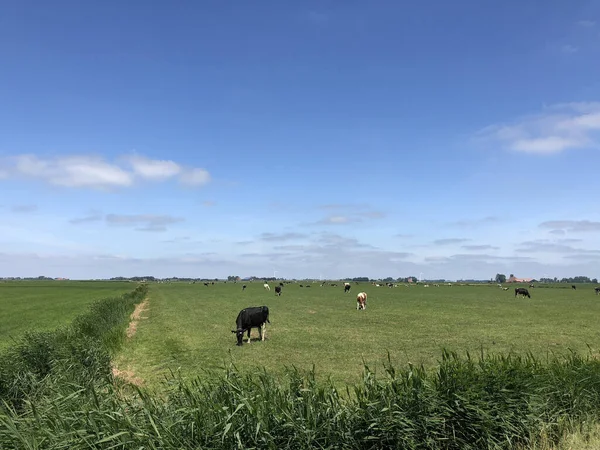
(263,329)
(249,330)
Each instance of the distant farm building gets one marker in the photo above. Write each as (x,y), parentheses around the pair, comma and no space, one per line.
(519,280)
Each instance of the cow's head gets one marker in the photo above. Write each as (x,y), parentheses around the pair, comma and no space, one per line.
(239,334)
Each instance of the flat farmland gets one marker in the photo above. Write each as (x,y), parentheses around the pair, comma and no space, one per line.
(46,305)
(188,327)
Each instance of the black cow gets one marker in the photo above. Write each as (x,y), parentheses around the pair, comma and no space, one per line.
(573,286)
(597,290)
(252,317)
(346,288)
(522,291)
(281,284)
(205,284)
(244,287)
(278,290)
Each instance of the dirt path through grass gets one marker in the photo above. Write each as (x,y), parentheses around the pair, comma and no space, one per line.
(136,316)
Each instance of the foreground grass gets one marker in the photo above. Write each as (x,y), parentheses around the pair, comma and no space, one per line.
(491,402)
(189,327)
(45,305)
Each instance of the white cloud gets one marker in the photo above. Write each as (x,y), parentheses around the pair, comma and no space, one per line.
(450,241)
(475,223)
(557,247)
(550,144)
(90,171)
(72,171)
(477,258)
(153,169)
(281,237)
(194,177)
(560,226)
(24,208)
(140,222)
(558,128)
(337,220)
(143,222)
(347,213)
(480,247)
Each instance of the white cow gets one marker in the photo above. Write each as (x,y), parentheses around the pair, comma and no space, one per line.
(267,287)
(361,301)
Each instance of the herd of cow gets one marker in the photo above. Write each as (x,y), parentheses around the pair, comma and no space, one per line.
(258,316)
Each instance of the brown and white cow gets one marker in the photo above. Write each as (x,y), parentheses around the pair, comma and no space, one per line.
(361,301)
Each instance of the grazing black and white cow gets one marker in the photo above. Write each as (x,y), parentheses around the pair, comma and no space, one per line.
(244,287)
(522,291)
(252,317)
(573,286)
(205,284)
(281,284)
(531,286)
(278,290)
(597,290)
(346,287)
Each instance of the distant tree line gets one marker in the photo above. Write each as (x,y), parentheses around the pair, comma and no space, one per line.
(578,279)
(41,277)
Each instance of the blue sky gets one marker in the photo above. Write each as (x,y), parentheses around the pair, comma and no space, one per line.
(316,138)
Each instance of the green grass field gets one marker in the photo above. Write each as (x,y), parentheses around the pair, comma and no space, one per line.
(189,326)
(45,305)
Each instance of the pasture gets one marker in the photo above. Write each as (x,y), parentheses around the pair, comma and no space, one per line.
(46,305)
(188,327)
